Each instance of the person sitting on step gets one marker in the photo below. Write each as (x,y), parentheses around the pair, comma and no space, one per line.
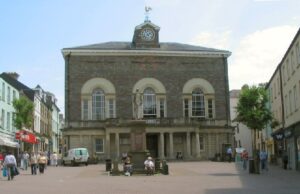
(149,166)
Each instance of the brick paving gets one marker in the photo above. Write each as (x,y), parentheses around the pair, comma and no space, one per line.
(184,178)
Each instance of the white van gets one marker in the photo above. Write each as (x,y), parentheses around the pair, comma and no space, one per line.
(76,156)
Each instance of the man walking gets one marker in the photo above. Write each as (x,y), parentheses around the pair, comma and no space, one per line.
(10,163)
(263,156)
(33,163)
(245,159)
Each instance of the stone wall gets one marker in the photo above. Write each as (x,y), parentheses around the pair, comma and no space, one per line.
(124,72)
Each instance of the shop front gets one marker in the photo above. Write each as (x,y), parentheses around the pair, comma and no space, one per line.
(27,140)
(8,144)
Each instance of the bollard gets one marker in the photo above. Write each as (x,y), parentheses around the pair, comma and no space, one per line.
(108,164)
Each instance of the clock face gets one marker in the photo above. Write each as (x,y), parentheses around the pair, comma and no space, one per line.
(147,34)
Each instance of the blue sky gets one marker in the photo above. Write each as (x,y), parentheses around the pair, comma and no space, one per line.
(33,32)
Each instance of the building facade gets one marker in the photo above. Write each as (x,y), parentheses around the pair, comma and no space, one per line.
(183,89)
(7,129)
(284,89)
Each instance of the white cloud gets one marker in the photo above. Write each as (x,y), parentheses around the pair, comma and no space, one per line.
(220,40)
(256,57)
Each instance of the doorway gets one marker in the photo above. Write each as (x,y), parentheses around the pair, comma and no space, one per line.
(152,144)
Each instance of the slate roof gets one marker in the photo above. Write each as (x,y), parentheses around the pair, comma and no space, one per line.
(164,46)
(18,85)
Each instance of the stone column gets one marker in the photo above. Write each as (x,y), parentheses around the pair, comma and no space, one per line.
(162,148)
(197,145)
(107,143)
(188,144)
(171,155)
(117,143)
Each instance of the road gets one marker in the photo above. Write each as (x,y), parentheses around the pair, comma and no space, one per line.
(184,178)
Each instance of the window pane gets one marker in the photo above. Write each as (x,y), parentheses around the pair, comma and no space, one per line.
(162,108)
(98,105)
(210,108)
(149,103)
(99,145)
(198,106)
(85,110)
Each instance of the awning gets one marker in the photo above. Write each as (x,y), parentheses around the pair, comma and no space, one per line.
(26,136)
(7,142)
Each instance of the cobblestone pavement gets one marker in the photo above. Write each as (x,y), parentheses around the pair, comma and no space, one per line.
(184,178)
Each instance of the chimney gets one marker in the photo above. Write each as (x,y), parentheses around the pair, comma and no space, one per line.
(14,75)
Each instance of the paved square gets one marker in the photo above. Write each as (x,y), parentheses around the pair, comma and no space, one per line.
(184,178)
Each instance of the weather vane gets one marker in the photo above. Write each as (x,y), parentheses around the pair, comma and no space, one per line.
(147,12)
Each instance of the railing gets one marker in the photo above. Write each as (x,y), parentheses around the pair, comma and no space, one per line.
(149,121)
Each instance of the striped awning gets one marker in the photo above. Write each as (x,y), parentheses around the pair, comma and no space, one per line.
(7,142)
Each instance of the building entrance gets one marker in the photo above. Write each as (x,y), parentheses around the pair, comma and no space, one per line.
(152,144)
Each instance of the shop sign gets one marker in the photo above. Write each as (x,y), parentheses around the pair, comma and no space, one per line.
(278,136)
(26,136)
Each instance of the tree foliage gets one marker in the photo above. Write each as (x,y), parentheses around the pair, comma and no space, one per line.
(24,112)
(251,108)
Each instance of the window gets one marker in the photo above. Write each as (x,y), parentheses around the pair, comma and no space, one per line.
(111,108)
(210,108)
(162,107)
(290,102)
(149,105)
(8,121)
(295,98)
(286,107)
(288,69)
(283,74)
(274,95)
(85,108)
(2,118)
(198,106)
(298,54)
(186,108)
(99,145)
(278,85)
(201,140)
(3,91)
(8,94)
(14,95)
(13,120)
(292,62)
(98,104)
(271,94)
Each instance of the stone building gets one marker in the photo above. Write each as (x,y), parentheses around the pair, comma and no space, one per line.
(184,97)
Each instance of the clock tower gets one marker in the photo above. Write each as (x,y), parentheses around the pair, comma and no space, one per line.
(146,35)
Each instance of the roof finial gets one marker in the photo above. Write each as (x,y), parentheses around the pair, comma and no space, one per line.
(147,12)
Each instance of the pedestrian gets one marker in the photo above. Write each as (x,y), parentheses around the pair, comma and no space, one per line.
(22,160)
(245,158)
(285,159)
(33,163)
(25,160)
(1,159)
(42,161)
(263,156)
(11,164)
(149,166)
(229,154)
(54,159)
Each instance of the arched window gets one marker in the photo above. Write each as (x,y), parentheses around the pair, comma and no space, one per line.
(98,104)
(198,105)
(149,103)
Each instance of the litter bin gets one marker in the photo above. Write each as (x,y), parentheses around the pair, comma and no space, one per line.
(108,164)
(157,165)
(165,168)
(251,166)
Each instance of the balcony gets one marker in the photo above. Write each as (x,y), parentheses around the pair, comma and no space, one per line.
(159,122)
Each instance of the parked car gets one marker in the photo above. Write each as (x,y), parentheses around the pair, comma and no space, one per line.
(76,156)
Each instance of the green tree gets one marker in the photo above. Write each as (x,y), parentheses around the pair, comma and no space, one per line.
(253,112)
(24,112)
